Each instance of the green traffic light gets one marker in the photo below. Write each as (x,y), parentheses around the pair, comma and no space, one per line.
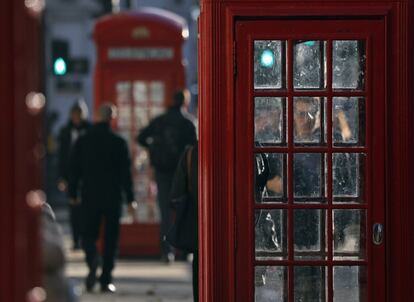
(267,58)
(59,66)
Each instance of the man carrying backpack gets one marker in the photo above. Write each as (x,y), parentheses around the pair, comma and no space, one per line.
(166,138)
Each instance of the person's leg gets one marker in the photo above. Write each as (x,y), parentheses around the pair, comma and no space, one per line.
(111,238)
(90,232)
(164,181)
(76,224)
(195,276)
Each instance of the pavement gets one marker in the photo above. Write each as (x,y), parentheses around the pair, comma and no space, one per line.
(136,280)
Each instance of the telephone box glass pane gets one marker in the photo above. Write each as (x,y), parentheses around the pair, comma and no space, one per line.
(140,92)
(310,284)
(123,92)
(271,284)
(270,234)
(156,111)
(349,237)
(348,65)
(270,177)
(141,117)
(348,121)
(124,117)
(309,120)
(157,93)
(269,64)
(349,283)
(309,65)
(309,177)
(269,121)
(347,176)
(310,234)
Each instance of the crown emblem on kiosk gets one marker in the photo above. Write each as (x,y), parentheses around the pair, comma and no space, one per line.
(140,32)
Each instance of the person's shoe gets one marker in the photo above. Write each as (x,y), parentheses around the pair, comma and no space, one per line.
(168,258)
(90,281)
(108,288)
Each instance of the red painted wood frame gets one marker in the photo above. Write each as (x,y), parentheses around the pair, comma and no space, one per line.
(217,132)
(152,29)
(20,151)
(372,33)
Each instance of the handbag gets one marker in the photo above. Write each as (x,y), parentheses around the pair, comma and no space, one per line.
(182,233)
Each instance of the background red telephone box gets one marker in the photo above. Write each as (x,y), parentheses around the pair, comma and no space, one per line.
(139,68)
(254,56)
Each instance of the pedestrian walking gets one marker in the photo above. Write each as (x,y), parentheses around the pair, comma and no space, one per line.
(166,138)
(101,168)
(69,134)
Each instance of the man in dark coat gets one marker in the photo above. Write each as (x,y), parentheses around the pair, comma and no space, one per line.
(166,138)
(69,134)
(101,168)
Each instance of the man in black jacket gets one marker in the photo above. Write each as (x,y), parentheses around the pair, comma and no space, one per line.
(166,138)
(69,134)
(101,167)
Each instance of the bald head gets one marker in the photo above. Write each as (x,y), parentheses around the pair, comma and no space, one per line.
(106,112)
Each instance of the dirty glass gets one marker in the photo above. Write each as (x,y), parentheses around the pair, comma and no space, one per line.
(309,65)
(349,283)
(269,121)
(347,176)
(271,284)
(157,92)
(269,64)
(309,121)
(310,234)
(349,234)
(270,234)
(310,284)
(348,66)
(309,177)
(140,92)
(348,121)
(270,177)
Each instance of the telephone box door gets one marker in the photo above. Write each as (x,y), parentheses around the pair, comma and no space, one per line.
(310,156)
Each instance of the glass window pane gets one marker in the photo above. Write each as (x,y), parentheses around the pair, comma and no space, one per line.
(141,117)
(269,64)
(309,177)
(310,283)
(157,92)
(348,121)
(269,121)
(140,92)
(348,65)
(349,283)
(347,176)
(270,179)
(310,234)
(270,234)
(124,116)
(309,65)
(349,237)
(123,92)
(271,284)
(309,120)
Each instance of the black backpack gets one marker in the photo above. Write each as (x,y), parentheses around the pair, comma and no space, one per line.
(166,148)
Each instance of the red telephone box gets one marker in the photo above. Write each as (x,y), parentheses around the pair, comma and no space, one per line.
(306,136)
(139,67)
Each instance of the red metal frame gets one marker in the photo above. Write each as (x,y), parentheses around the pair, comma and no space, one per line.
(217,148)
(21,151)
(146,28)
(286,30)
